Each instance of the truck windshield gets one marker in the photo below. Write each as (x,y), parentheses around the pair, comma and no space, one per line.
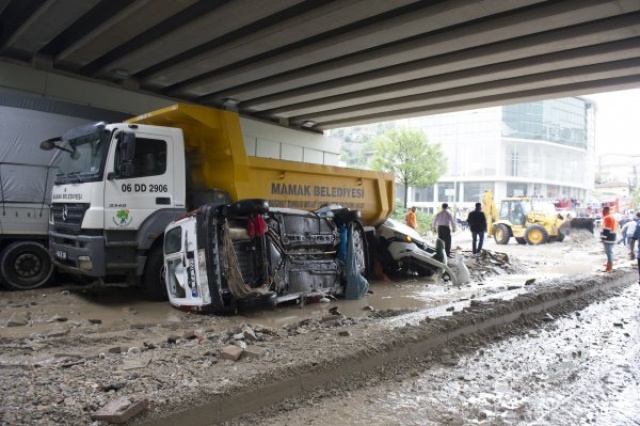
(88,146)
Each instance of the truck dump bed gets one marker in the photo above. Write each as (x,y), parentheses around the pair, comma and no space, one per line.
(217,159)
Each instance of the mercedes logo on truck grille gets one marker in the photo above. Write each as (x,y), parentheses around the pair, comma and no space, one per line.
(65,213)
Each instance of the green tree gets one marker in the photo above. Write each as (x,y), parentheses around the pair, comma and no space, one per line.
(410,157)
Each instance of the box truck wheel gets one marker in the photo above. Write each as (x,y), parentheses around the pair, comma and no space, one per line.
(153,278)
(25,265)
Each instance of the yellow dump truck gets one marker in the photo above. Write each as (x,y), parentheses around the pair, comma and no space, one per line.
(216,158)
(123,183)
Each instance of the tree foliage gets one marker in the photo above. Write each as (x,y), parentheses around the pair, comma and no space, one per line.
(410,157)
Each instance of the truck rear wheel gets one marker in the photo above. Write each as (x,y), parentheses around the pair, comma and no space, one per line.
(25,265)
(501,234)
(153,278)
(536,234)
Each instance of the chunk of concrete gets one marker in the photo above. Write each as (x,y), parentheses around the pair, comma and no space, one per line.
(231,352)
(121,409)
(254,351)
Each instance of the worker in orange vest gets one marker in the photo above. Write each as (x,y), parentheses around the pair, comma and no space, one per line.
(410,218)
(608,236)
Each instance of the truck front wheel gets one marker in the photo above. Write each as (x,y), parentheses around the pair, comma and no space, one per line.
(153,278)
(501,234)
(536,234)
(25,265)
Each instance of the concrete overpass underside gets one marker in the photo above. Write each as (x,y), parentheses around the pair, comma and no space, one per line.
(323,64)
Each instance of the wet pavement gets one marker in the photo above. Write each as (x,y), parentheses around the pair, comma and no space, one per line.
(521,377)
(118,308)
(432,296)
(580,369)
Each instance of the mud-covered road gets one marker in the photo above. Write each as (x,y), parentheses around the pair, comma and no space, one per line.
(561,350)
(574,367)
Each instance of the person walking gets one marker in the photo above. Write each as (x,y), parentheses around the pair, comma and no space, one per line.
(444,224)
(632,244)
(627,231)
(478,225)
(410,218)
(608,236)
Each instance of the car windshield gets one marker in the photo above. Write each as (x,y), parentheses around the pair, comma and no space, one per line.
(88,150)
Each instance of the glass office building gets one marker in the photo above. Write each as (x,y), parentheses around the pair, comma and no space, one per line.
(543,149)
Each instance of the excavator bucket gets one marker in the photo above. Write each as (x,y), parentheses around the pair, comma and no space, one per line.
(585,223)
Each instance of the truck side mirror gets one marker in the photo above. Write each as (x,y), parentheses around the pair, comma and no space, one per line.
(126,152)
(50,144)
(128,146)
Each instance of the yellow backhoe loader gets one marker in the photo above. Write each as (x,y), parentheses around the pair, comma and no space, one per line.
(528,221)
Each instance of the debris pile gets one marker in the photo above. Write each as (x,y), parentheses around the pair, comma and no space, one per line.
(491,263)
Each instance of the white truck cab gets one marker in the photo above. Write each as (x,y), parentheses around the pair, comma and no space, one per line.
(115,193)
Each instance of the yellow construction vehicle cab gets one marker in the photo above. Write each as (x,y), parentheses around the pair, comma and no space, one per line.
(528,221)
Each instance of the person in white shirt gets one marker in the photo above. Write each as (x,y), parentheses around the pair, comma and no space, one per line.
(627,231)
(444,224)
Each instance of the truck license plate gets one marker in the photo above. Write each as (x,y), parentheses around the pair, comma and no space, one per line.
(61,254)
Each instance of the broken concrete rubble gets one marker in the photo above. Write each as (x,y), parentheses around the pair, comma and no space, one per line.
(121,409)
(231,352)
(174,366)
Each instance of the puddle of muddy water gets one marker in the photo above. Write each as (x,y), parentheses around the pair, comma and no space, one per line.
(424,296)
(117,308)
(430,296)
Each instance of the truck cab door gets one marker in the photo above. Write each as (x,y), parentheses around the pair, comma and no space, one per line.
(140,181)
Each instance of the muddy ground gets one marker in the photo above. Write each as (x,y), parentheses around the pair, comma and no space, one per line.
(413,352)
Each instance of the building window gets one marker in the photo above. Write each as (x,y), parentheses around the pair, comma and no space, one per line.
(562,121)
(424,194)
(445,192)
(473,191)
(517,189)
